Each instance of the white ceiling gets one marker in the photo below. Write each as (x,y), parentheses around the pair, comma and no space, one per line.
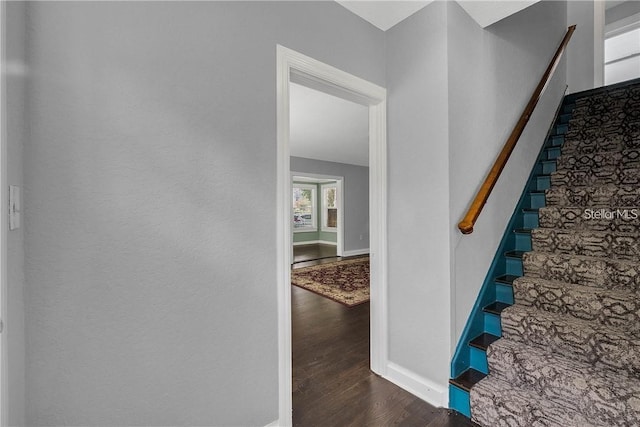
(325,127)
(384,14)
(486,13)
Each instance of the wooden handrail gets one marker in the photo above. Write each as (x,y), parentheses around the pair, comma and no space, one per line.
(469,220)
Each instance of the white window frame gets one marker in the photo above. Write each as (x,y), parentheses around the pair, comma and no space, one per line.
(314,208)
(324,215)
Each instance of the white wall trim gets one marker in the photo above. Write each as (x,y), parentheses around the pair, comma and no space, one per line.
(315,242)
(275,423)
(293,66)
(356,252)
(435,394)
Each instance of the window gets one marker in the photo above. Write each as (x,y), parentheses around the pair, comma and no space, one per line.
(304,208)
(329,207)
(622,56)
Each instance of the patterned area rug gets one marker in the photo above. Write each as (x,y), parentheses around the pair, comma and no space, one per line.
(346,282)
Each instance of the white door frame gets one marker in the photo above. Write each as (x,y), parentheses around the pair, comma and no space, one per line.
(339,186)
(296,67)
(4,224)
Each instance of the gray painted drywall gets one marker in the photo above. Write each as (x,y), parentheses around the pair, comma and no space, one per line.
(356,196)
(418,194)
(16,135)
(508,60)
(580,55)
(622,11)
(152,286)
(444,132)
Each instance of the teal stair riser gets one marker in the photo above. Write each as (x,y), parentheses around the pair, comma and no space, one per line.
(517,237)
(492,326)
(553,153)
(504,293)
(562,129)
(548,167)
(479,359)
(557,141)
(542,183)
(514,266)
(523,242)
(459,400)
(537,200)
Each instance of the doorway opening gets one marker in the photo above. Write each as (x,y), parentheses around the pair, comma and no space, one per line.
(293,67)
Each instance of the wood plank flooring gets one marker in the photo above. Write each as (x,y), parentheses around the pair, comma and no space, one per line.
(332,383)
(312,252)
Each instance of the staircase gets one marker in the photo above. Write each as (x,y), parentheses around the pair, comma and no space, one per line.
(554,339)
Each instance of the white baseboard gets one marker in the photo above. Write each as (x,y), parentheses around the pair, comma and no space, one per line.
(355,252)
(275,423)
(425,389)
(315,242)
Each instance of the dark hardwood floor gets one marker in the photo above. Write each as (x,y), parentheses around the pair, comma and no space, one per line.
(332,383)
(313,252)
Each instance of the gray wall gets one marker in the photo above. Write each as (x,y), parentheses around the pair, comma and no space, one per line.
(16,135)
(418,161)
(356,197)
(508,60)
(455,92)
(580,55)
(152,290)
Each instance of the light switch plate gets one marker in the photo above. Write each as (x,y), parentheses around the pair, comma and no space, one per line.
(14,207)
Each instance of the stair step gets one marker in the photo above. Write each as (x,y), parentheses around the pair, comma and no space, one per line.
(602,244)
(603,346)
(581,145)
(556,140)
(552,153)
(515,254)
(616,308)
(628,158)
(495,402)
(588,271)
(562,129)
(576,218)
(598,176)
(605,397)
(549,166)
(506,279)
(542,182)
(483,341)
(523,231)
(603,196)
(467,379)
(496,308)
